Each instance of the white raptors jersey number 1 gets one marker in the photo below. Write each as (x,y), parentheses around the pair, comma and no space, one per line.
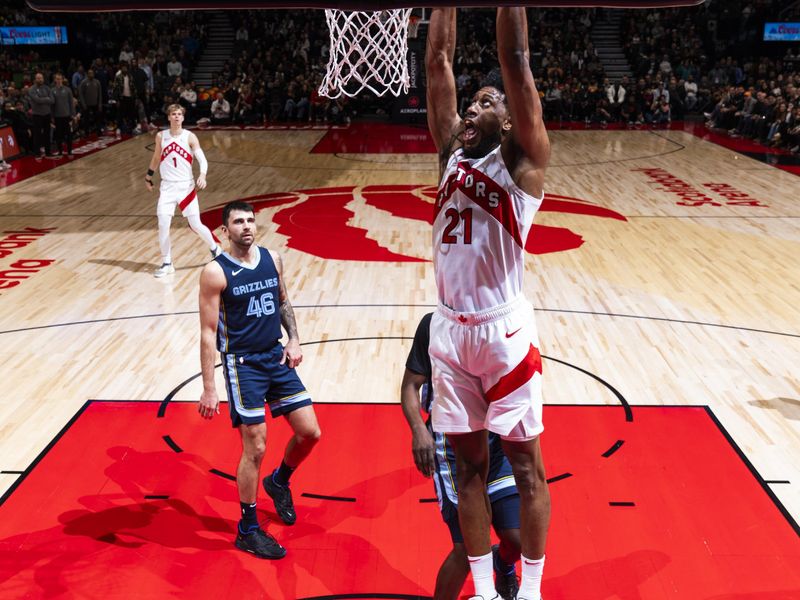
(176,157)
(481,221)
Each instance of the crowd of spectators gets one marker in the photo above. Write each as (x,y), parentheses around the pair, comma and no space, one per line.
(121,81)
(564,60)
(711,61)
(767,112)
(684,62)
(278,81)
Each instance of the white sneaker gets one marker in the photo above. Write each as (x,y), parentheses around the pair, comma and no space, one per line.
(164,269)
(4,166)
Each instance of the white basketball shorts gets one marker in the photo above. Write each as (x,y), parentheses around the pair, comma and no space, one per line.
(487,371)
(178,193)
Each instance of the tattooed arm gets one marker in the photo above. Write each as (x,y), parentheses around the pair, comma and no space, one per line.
(292,353)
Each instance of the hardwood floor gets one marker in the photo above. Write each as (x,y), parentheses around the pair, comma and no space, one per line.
(670,305)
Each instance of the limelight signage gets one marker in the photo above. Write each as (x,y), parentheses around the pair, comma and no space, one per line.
(782,32)
(18,36)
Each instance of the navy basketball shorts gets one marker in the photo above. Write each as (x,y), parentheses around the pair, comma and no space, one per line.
(505,515)
(253,378)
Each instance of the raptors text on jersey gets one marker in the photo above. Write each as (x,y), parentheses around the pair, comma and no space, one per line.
(482,219)
(176,157)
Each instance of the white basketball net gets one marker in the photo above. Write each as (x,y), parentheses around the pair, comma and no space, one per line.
(367,51)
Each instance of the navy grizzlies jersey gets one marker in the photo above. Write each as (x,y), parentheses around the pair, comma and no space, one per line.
(249,315)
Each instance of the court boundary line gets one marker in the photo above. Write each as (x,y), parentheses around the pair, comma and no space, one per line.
(39,457)
(429,306)
(762,482)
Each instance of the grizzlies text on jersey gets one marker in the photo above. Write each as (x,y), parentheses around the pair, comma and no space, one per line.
(249,315)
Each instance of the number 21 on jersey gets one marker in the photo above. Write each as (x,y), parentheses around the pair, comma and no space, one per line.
(455,218)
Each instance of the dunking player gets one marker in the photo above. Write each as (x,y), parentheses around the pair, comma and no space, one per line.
(484,345)
(433,455)
(243,303)
(174,153)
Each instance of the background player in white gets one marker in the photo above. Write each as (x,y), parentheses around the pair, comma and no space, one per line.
(484,346)
(174,154)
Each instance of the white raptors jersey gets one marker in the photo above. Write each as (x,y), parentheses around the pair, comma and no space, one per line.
(176,157)
(481,221)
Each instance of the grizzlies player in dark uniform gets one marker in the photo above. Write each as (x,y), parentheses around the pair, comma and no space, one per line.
(243,304)
(435,458)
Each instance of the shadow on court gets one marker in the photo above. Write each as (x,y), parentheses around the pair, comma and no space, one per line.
(789,408)
(138,267)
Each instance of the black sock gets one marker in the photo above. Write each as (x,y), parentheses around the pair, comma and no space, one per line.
(249,521)
(282,474)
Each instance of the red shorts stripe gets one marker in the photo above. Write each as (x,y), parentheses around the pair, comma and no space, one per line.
(519,376)
(188,200)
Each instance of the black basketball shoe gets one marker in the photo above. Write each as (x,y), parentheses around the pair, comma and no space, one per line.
(282,497)
(260,543)
(506,584)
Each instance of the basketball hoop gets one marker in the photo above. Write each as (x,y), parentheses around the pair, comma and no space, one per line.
(367,51)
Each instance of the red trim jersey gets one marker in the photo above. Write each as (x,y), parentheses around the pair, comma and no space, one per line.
(176,157)
(481,221)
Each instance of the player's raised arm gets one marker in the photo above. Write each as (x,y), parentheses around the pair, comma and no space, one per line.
(528,131)
(443,120)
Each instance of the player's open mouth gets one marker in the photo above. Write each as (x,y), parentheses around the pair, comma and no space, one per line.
(469,131)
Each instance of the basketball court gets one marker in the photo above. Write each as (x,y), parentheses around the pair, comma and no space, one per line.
(661,265)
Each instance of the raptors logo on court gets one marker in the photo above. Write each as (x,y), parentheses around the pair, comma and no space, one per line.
(325,222)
